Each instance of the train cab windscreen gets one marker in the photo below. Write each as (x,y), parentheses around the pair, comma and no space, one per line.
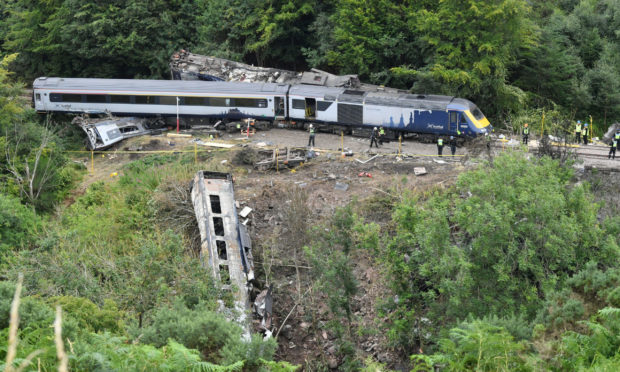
(477,113)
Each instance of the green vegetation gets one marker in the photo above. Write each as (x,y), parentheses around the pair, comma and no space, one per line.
(508,56)
(512,268)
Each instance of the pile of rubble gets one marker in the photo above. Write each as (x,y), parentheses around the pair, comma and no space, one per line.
(188,66)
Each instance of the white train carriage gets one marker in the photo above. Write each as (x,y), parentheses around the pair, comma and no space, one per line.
(161,97)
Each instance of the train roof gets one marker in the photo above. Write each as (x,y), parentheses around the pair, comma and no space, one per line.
(390,97)
(158,85)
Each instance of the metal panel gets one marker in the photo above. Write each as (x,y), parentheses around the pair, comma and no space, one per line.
(214,205)
(350,114)
(172,86)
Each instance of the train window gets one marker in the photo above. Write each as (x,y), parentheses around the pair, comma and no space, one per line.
(71,97)
(299,104)
(477,113)
(218,101)
(120,99)
(322,105)
(246,102)
(167,100)
(55,97)
(262,103)
(145,99)
(96,98)
(38,95)
(453,117)
(194,101)
(463,119)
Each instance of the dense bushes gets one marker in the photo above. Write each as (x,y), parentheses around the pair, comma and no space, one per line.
(501,242)
(119,272)
(210,333)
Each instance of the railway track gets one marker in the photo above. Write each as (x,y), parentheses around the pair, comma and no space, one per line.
(588,151)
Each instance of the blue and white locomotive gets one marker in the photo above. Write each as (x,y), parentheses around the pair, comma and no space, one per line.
(396,111)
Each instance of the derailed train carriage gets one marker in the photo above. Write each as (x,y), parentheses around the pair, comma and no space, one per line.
(333,106)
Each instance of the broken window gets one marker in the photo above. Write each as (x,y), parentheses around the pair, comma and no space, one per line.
(224,274)
(128,129)
(215,204)
(218,226)
(221,249)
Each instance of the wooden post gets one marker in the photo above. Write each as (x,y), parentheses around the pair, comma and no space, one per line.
(542,128)
(195,154)
(92,162)
(342,143)
(277,161)
(400,142)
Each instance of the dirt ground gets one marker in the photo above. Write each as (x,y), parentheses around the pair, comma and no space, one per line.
(330,181)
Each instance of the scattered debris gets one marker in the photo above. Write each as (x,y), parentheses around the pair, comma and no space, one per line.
(418,171)
(367,160)
(263,307)
(179,135)
(341,186)
(245,212)
(610,132)
(216,144)
(276,158)
(364,174)
(188,66)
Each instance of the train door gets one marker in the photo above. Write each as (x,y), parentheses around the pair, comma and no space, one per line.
(310,108)
(279,107)
(454,116)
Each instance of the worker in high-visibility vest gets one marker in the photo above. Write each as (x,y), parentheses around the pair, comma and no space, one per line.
(381,135)
(373,137)
(613,145)
(584,133)
(617,138)
(311,138)
(526,133)
(578,131)
(439,146)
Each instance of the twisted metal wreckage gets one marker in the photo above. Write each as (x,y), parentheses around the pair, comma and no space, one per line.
(103,133)
(226,248)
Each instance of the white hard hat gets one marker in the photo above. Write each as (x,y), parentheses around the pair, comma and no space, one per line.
(310,126)
(451,137)
(375,128)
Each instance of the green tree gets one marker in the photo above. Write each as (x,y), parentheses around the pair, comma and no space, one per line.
(501,242)
(473,45)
